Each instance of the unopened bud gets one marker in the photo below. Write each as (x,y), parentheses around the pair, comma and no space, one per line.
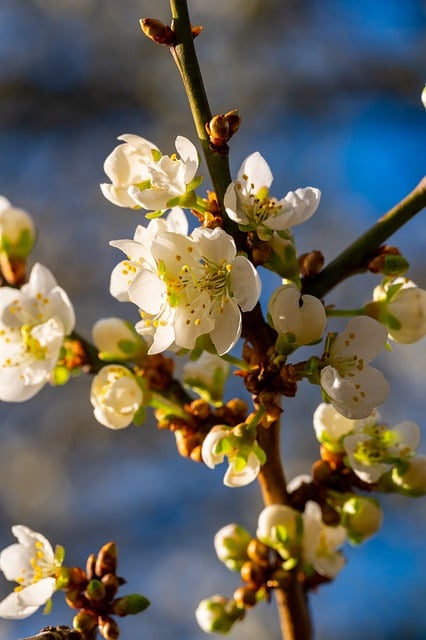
(389,262)
(85,622)
(90,566)
(246,596)
(111,584)
(130,605)
(411,477)
(310,263)
(217,614)
(252,572)
(222,127)
(76,600)
(258,552)
(17,232)
(230,544)
(106,562)
(108,628)
(95,590)
(362,517)
(158,31)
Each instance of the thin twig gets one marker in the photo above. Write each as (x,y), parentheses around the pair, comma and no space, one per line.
(56,633)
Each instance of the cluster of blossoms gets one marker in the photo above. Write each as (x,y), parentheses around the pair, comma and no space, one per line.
(191,289)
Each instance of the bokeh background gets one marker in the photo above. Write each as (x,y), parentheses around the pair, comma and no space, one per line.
(329,93)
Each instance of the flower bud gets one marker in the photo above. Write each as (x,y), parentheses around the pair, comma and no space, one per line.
(157,31)
(401,306)
(108,628)
(423,97)
(230,544)
(258,552)
(117,339)
(130,605)
(95,590)
(85,621)
(411,476)
(17,231)
(106,562)
(280,527)
(362,518)
(207,377)
(76,600)
(245,597)
(217,614)
(116,396)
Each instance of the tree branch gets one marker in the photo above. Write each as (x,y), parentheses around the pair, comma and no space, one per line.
(355,258)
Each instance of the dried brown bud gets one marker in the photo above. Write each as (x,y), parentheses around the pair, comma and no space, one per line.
(261,252)
(106,562)
(158,31)
(258,552)
(90,566)
(200,409)
(321,471)
(111,584)
(222,127)
(13,270)
(246,596)
(238,407)
(311,263)
(330,517)
(188,444)
(196,31)
(108,628)
(252,572)
(76,600)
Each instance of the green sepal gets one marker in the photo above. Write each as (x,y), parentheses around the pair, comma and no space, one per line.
(395,265)
(48,607)
(59,554)
(154,214)
(290,564)
(20,249)
(139,417)
(194,184)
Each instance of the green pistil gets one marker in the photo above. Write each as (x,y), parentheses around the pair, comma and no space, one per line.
(32,345)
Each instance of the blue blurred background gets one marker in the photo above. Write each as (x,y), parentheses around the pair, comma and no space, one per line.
(329,92)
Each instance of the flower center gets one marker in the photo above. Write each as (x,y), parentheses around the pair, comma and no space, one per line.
(32,345)
(41,567)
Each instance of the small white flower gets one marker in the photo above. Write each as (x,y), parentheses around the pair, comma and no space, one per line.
(207,376)
(401,306)
(375,448)
(117,339)
(115,396)
(320,545)
(303,317)
(33,324)
(142,177)
(245,457)
(352,385)
(17,231)
(281,528)
(231,544)
(32,564)
(423,96)
(247,200)
(331,427)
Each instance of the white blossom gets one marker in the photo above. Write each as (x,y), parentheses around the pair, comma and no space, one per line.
(115,396)
(142,177)
(331,427)
(401,306)
(230,544)
(362,517)
(303,317)
(281,527)
(186,286)
(217,614)
(321,543)
(33,324)
(375,448)
(423,96)
(411,475)
(247,200)
(116,339)
(353,387)
(245,457)
(32,564)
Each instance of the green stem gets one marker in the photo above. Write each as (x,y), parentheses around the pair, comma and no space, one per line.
(158,401)
(355,258)
(236,362)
